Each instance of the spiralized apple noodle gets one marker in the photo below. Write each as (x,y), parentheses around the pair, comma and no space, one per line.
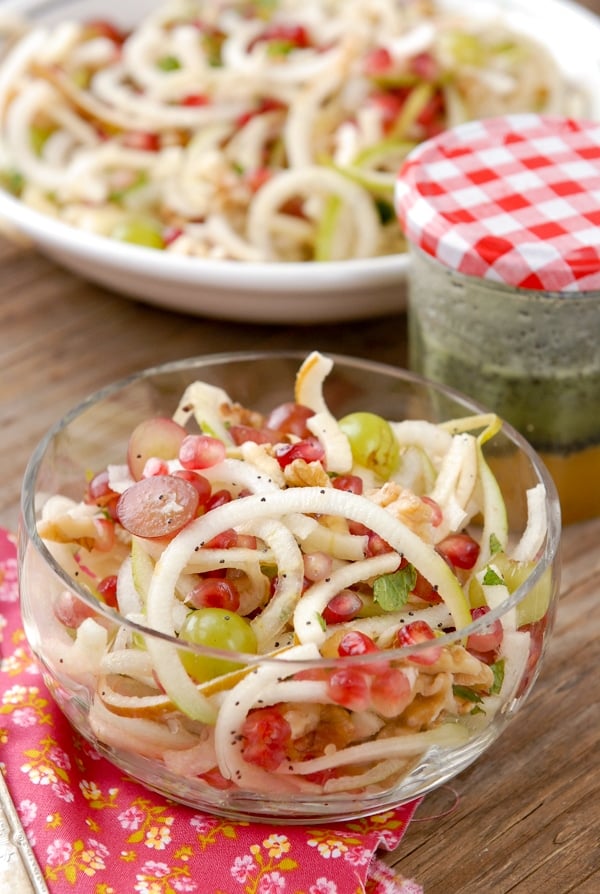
(249,130)
(292,717)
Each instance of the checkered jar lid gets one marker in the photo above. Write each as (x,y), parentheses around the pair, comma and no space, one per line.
(514,200)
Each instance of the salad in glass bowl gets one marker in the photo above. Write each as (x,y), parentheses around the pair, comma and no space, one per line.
(268,585)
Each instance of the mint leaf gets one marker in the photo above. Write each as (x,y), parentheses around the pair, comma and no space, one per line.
(469,695)
(498,671)
(495,545)
(390,591)
(492,578)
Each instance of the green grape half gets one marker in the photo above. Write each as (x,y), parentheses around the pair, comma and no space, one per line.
(216,628)
(372,442)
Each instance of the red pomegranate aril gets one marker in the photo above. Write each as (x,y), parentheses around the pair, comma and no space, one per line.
(201,452)
(391,692)
(317,566)
(344,606)
(358,529)
(213,592)
(195,99)
(310,450)
(295,35)
(290,418)
(425,66)
(217,498)
(224,540)
(141,140)
(157,507)
(98,487)
(266,733)
(460,550)
(376,545)
(256,178)
(198,481)
(355,642)
(437,516)
(489,638)
(414,633)
(155,466)
(107,588)
(102,28)
(71,611)
(425,591)
(350,688)
(350,483)
(377,61)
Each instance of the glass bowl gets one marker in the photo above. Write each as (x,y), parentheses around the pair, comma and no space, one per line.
(336,709)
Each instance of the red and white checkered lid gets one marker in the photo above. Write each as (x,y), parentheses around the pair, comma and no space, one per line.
(514,200)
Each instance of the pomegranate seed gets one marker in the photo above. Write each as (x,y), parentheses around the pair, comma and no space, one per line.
(141,140)
(351,483)
(310,450)
(99,487)
(71,611)
(317,566)
(213,592)
(218,498)
(424,590)
(171,235)
(266,734)
(357,643)
(391,692)
(257,178)
(419,632)
(155,466)
(489,638)
(359,529)
(290,418)
(107,588)
(377,61)
(201,452)
(424,66)
(201,483)
(224,540)
(437,516)
(344,606)
(460,550)
(195,99)
(349,687)
(376,545)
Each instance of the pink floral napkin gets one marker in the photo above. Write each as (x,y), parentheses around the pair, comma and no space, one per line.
(96,831)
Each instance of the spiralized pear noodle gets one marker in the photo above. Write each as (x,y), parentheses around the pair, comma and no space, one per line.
(247,130)
(302,714)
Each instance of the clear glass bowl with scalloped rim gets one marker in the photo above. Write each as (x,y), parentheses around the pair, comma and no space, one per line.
(265,612)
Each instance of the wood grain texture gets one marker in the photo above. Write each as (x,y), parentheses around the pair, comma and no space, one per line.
(527,814)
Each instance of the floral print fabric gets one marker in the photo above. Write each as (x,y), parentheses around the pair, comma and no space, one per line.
(96,831)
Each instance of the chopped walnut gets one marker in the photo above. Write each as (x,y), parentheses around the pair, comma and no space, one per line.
(236,414)
(404,505)
(299,473)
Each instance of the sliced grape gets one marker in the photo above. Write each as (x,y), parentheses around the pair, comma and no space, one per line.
(216,628)
(373,442)
(158,437)
(157,507)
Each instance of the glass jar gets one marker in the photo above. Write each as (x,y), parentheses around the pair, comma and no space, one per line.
(504,287)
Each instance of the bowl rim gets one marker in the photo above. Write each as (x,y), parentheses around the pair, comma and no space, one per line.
(28,536)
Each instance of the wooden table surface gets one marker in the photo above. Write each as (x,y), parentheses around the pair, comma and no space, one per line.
(526,817)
